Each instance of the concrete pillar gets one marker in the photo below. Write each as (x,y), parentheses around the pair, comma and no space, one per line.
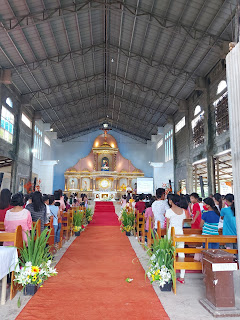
(233,81)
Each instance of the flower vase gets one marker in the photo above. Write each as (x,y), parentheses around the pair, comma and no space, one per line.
(77,234)
(167,286)
(30,290)
(128,233)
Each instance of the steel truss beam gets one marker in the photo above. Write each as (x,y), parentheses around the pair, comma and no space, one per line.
(164,23)
(175,71)
(75,83)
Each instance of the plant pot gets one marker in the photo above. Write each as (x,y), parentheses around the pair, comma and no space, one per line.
(128,233)
(167,286)
(30,290)
(77,234)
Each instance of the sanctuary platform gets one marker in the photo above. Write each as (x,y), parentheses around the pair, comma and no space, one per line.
(104,174)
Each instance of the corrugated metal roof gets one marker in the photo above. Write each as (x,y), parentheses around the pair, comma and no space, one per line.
(82,62)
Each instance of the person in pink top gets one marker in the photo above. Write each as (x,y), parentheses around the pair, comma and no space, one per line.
(148,213)
(60,198)
(17,216)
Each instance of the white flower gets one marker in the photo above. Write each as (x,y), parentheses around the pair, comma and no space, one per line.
(28,264)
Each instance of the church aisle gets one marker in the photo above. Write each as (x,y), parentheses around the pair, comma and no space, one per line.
(91,281)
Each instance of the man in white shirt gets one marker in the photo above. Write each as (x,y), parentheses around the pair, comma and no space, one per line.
(159,207)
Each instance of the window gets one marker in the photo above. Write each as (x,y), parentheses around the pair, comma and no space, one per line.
(198,129)
(221,86)
(169,145)
(159,144)
(221,112)
(180,124)
(47,141)
(27,121)
(9,102)
(7,125)
(37,143)
(197,110)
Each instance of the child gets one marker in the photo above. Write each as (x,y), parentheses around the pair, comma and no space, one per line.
(196,211)
(123,201)
(210,220)
(148,213)
(55,212)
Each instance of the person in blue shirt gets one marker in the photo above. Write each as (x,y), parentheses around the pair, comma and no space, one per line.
(229,219)
(210,220)
(55,212)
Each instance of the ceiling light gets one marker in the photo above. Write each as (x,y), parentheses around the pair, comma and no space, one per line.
(105,125)
(112,60)
(51,129)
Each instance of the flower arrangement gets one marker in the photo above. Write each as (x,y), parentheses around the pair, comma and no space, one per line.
(77,219)
(78,228)
(89,214)
(127,219)
(161,275)
(30,274)
(161,260)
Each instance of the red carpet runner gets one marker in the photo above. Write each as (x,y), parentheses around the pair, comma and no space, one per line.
(91,279)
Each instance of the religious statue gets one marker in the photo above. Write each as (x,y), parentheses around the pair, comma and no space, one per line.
(105,164)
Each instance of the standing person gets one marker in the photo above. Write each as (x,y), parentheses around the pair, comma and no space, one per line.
(175,217)
(210,220)
(46,202)
(16,216)
(196,211)
(123,201)
(140,205)
(38,209)
(217,198)
(58,195)
(5,199)
(159,208)
(55,212)
(229,219)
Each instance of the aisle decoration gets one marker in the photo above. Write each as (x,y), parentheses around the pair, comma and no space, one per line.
(35,262)
(161,261)
(127,219)
(77,222)
(89,215)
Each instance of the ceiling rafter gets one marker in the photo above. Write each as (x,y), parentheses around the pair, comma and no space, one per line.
(164,23)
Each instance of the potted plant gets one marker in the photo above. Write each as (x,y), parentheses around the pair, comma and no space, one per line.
(127,218)
(89,215)
(161,260)
(77,222)
(35,262)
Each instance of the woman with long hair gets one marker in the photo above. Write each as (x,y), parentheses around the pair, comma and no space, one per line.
(38,209)
(18,216)
(210,220)
(175,217)
(5,198)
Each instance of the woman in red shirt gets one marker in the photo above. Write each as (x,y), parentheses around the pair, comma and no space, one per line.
(196,211)
(5,198)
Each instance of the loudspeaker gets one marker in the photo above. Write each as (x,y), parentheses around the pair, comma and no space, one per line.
(5,76)
(34,184)
(1,178)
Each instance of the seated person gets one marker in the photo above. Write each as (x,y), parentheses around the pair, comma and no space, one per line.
(18,216)
(140,205)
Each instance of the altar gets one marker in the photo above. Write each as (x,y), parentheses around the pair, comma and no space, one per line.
(104,174)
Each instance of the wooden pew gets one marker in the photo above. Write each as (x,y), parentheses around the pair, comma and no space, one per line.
(16,238)
(71,221)
(66,225)
(188,263)
(150,231)
(51,237)
(140,225)
(2,228)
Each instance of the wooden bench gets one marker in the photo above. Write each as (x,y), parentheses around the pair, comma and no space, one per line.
(16,238)
(2,228)
(51,237)
(188,263)
(66,225)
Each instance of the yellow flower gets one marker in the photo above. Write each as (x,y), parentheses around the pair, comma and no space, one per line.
(34,278)
(35,269)
(156,273)
(153,277)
